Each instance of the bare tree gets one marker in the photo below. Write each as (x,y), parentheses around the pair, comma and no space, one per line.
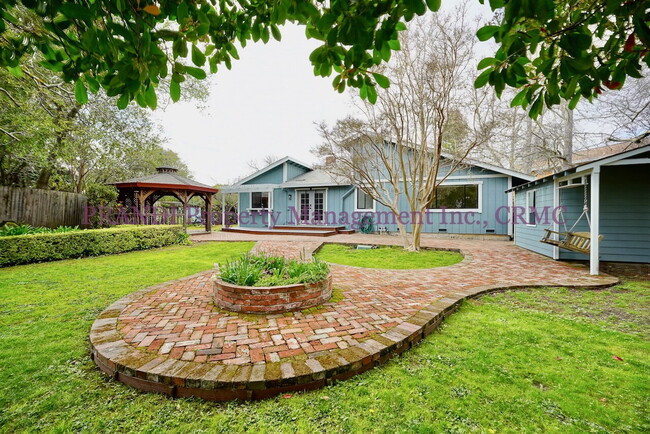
(398,148)
(550,142)
(616,115)
(258,164)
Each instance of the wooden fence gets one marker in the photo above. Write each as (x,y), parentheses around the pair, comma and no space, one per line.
(41,207)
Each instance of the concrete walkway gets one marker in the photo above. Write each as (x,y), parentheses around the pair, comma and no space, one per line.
(171,339)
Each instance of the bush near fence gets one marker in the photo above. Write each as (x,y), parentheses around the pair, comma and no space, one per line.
(25,249)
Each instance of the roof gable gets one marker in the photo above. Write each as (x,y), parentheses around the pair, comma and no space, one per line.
(270,167)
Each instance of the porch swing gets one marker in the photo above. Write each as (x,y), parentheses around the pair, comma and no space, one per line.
(569,240)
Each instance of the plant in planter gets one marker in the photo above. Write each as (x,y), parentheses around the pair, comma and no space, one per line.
(262,270)
(271,284)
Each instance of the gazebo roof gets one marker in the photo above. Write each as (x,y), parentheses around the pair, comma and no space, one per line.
(166,177)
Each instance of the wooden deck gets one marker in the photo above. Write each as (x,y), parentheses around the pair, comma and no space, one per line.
(306,230)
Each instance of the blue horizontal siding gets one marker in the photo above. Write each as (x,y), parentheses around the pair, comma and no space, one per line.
(624,215)
(493,197)
(293,170)
(528,236)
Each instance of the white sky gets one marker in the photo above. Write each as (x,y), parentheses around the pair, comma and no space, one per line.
(267,104)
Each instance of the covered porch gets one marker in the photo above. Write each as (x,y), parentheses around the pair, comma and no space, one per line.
(607,200)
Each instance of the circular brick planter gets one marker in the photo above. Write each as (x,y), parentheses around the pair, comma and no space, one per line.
(271,299)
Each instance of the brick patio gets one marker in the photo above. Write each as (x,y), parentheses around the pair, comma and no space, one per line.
(171,339)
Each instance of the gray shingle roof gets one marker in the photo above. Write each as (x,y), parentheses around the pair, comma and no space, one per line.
(165,175)
(314,178)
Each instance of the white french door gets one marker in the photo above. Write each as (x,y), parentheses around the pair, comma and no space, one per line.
(311,206)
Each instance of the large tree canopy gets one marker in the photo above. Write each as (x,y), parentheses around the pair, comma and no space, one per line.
(567,49)
(555,49)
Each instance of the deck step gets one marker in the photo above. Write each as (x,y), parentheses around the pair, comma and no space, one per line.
(310,227)
(275,231)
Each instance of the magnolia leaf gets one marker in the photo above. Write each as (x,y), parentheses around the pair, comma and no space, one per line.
(152,10)
(484,63)
(80,92)
(198,58)
(482,79)
(520,99)
(486,32)
(181,11)
(372,94)
(123,101)
(381,80)
(394,45)
(197,73)
(175,90)
(276,33)
(434,5)
(150,97)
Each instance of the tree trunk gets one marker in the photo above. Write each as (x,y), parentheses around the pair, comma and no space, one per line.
(416,236)
(567,152)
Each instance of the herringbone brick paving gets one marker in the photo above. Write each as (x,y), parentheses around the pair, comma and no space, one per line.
(179,320)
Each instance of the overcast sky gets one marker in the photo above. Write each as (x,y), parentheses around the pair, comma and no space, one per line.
(267,104)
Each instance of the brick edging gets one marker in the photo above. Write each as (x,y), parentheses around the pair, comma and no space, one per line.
(219,382)
(271,299)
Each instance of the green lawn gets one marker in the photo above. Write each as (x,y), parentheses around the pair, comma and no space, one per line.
(538,360)
(387,257)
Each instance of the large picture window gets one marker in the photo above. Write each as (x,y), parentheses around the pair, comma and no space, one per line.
(364,200)
(456,197)
(260,200)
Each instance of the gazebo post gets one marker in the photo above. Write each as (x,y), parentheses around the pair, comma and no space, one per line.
(208,212)
(143,195)
(224,217)
(184,199)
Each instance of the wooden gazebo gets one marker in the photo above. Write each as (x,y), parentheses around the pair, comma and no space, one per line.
(145,191)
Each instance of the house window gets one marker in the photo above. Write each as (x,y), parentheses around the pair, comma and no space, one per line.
(531,199)
(364,200)
(260,200)
(456,197)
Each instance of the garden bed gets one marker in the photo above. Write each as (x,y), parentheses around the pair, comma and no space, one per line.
(271,299)
(271,284)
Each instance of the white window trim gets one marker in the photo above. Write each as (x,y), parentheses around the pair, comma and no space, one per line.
(250,201)
(356,207)
(480,199)
(528,206)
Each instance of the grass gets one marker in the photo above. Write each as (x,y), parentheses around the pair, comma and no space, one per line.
(533,361)
(387,257)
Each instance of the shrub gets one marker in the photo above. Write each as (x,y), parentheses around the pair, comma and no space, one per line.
(9,230)
(262,270)
(25,249)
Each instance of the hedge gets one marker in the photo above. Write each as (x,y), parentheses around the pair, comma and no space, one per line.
(25,249)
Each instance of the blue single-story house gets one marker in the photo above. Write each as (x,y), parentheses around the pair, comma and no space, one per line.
(607,199)
(289,194)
